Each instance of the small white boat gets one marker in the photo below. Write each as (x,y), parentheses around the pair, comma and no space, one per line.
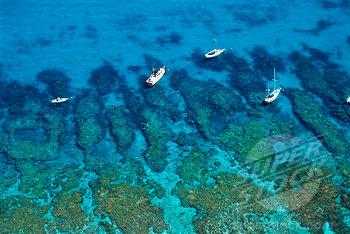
(214,53)
(348,100)
(272,96)
(60,99)
(155,76)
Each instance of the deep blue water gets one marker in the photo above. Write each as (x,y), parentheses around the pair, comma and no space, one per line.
(197,153)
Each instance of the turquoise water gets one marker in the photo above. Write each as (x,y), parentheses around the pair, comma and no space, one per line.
(197,153)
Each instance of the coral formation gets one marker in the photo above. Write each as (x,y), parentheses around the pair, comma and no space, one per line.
(155,131)
(231,205)
(313,117)
(162,104)
(311,197)
(121,131)
(22,215)
(104,79)
(128,207)
(89,127)
(252,142)
(194,168)
(156,135)
(325,81)
(56,81)
(172,38)
(207,102)
(22,146)
(68,213)
(264,62)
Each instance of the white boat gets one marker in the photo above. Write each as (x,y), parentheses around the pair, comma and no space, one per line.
(214,53)
(155,76)
(348,100)
(272,96)
(60,99)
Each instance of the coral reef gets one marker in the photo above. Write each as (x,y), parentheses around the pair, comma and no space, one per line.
(160,102)
(173,38)
(128,207)
(153,128)
(311,197)
(313,117)
(68,213)
(231,205)
(155,189)
(43,146)
(121,131)
(194,168)
(89,127)
(156,135)
(264,62)
(252,142)
(104,79)
(326,82)
(22,215)
(56,81)
(207,102)
(152,62)
(17,95)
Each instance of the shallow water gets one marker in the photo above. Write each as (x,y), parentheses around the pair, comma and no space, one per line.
(196,153)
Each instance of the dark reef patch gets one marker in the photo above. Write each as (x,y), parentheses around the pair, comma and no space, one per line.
(264,62)
(56,81)
(16,94)
(252,15)
(41,41)
(104,78)
(173,38)
(154,129)
(160,102)
(321,26)
(134,68)
(207,102)
(325,80)
(312,115)
(152,62)
(90,32)
(333,4)
(120,128)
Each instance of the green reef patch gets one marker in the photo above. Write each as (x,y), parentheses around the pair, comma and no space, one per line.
(121,131)
(128,207)
(309,111)
(89,128)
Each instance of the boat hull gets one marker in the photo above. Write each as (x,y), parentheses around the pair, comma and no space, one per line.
(214,53)
(154,78)
(59,100)
(273,96)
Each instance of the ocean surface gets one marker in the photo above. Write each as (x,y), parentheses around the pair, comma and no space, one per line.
(199,152)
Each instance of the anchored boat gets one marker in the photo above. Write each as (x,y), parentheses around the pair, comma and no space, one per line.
(214,53)
(272,95)
(348,100)
(155,76)
(60,100)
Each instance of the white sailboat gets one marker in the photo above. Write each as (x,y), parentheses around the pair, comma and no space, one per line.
(60,99)
(214,53)
(272,95)
(155,76)
(348,100)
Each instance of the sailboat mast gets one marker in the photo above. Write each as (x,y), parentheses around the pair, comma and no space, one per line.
(274,78)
